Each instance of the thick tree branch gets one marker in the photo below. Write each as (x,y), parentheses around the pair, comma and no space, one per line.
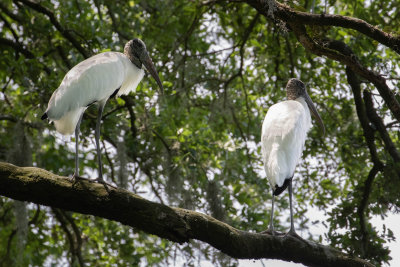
(178,225)
(287,14)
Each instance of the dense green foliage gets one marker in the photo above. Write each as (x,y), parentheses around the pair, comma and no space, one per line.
(222,66)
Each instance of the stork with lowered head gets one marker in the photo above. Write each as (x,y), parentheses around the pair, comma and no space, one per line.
(283,135)
(94,81)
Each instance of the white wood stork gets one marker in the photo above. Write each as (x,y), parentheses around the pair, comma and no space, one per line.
(283,135)
(95,80)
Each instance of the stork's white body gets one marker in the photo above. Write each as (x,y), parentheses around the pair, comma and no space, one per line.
(283,135)
(92,80)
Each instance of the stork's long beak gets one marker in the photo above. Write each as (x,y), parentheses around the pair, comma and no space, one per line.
(146,60)
(314,112)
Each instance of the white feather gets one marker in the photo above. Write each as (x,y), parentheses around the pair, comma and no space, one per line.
(284,132)
(92,80)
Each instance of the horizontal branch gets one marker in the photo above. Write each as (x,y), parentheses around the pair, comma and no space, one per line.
(287,13)
(359,25)
(176,224)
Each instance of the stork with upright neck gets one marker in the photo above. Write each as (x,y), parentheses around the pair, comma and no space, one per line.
(94,81)
(283,135)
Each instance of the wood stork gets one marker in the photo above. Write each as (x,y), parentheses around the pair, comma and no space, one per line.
(95,80)
(283,135)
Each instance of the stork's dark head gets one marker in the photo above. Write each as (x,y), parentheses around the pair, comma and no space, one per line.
(295,89)
(136,51)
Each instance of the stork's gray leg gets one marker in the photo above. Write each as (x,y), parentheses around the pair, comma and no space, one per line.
(270,229)
(271,222)
(97,137)
(78,125)
(291,231)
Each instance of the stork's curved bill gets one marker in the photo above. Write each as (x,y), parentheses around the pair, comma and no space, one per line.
(314,112)
(148,63)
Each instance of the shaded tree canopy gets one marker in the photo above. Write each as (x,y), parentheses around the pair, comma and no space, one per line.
(222,63)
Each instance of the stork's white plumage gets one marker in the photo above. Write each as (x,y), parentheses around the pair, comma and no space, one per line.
(283,135)
(94,80)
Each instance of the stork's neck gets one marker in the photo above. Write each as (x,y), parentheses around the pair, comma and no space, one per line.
(302,101)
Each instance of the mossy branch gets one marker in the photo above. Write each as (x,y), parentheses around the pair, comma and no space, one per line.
(179,225)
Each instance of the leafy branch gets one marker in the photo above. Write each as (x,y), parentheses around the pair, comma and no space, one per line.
(297,20)
(45,11)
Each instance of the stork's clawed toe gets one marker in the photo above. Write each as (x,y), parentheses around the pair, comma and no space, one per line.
(269,232)
(293,234)
(106,185)
(76,178)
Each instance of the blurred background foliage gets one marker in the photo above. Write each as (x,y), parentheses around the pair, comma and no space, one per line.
(222,65)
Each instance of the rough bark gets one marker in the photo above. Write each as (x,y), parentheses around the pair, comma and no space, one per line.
(178,225)
(286,13)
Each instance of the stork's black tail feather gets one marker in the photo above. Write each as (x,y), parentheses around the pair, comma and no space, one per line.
(44,116)
(279,189)
(115,92)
